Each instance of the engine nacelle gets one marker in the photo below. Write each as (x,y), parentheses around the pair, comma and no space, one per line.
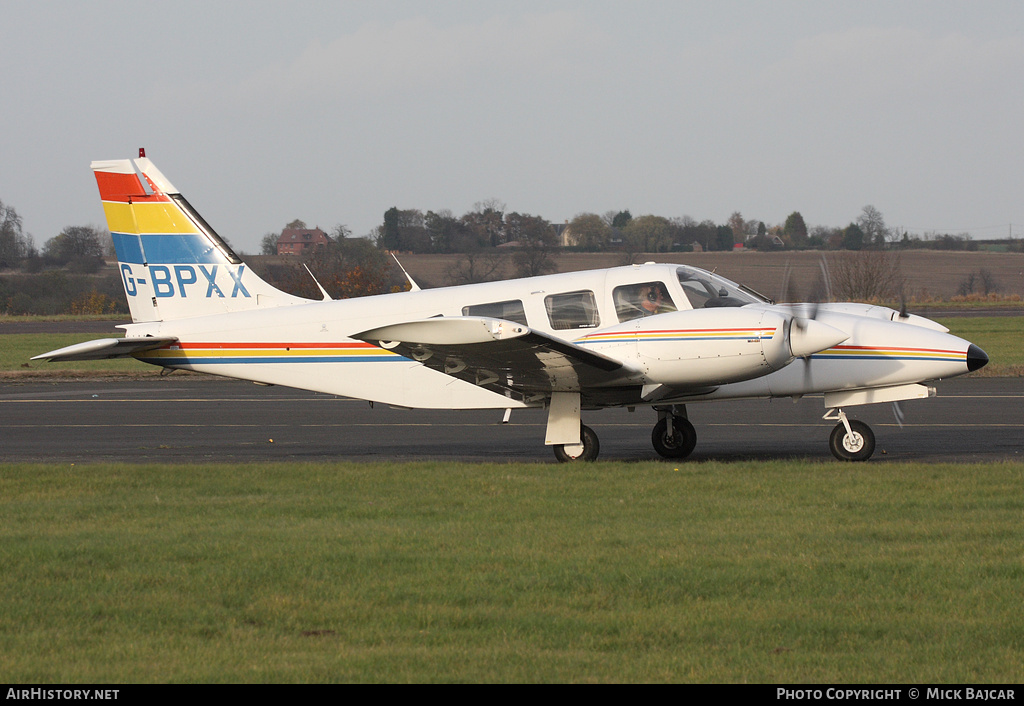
(700,347)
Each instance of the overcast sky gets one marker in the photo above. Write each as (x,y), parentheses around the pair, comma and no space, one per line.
(332,112)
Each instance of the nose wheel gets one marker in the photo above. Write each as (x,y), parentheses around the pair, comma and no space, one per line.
(851,440)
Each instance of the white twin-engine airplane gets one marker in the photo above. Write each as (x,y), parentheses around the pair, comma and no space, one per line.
(658,335)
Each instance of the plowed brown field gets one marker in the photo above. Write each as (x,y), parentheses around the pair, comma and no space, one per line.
(930,275)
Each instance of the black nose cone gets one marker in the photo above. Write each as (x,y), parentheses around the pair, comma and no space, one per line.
(976,358)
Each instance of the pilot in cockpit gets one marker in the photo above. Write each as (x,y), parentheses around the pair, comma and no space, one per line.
(637,300)
(652,300)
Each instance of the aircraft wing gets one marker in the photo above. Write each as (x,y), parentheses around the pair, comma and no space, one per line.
(104,348)
(501,355)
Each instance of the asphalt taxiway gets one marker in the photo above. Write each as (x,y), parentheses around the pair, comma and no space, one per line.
(192,419)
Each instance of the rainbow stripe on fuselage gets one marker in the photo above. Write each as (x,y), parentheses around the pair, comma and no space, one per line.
(697,334)
(250,353)
(877,353)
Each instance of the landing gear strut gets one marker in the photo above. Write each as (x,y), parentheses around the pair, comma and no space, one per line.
(850,440)
(673,436)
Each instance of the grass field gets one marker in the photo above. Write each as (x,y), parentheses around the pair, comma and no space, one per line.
(17,349)
(745,572)
(999,336)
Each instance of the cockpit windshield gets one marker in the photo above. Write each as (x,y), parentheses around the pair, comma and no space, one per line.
(706,290)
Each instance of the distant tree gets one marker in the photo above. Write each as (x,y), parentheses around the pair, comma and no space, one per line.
(647,234)
(621,219)
(478,266)
(761,242)
(825,237)
(297,224)
(346,268)
(590,232)
(536,239)
(106,242)
(872,224)
(77,247)
(681,233)
(724,238)
(14,246)
(268,245)
(948,241)
(705,233)
(738,226)
(390,234)
(447,233)
(868,276)
(853,237)
(404,230)
(795,230)
(486,223)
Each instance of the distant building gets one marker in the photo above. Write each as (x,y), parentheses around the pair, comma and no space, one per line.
(566,238)
(294,241)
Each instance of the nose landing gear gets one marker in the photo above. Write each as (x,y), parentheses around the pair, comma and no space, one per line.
(850,440)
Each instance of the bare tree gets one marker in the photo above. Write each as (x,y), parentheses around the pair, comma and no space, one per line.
(536,241)
(478,266)
(867,276)
(873,225)
(13,243)
(77,247)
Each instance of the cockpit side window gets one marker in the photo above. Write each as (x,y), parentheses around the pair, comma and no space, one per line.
(706,290)
(633,301)
(697,292)
(510,311)
(572,310)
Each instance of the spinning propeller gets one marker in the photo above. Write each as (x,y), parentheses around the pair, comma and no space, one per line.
(807,335)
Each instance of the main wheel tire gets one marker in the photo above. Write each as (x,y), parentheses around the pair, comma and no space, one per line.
(856,447)
(680,443)
(587,451)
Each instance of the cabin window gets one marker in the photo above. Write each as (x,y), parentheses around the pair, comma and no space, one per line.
(572,310)
(509,311)
(633,301)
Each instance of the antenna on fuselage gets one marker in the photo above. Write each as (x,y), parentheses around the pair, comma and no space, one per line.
(327,297)
(413,287)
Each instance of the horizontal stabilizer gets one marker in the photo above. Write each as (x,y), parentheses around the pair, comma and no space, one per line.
(104,348)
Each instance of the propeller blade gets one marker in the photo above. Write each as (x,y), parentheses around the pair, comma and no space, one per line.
(903,303)
(785,294)
(808,311)
(826,279)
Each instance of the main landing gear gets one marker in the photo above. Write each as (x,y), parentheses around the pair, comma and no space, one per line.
(586,450)
(674,437)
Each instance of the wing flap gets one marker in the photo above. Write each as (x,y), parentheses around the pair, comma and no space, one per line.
(500,355)
(104,348)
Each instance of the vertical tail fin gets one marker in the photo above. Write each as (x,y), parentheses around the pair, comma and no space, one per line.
(173,264)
